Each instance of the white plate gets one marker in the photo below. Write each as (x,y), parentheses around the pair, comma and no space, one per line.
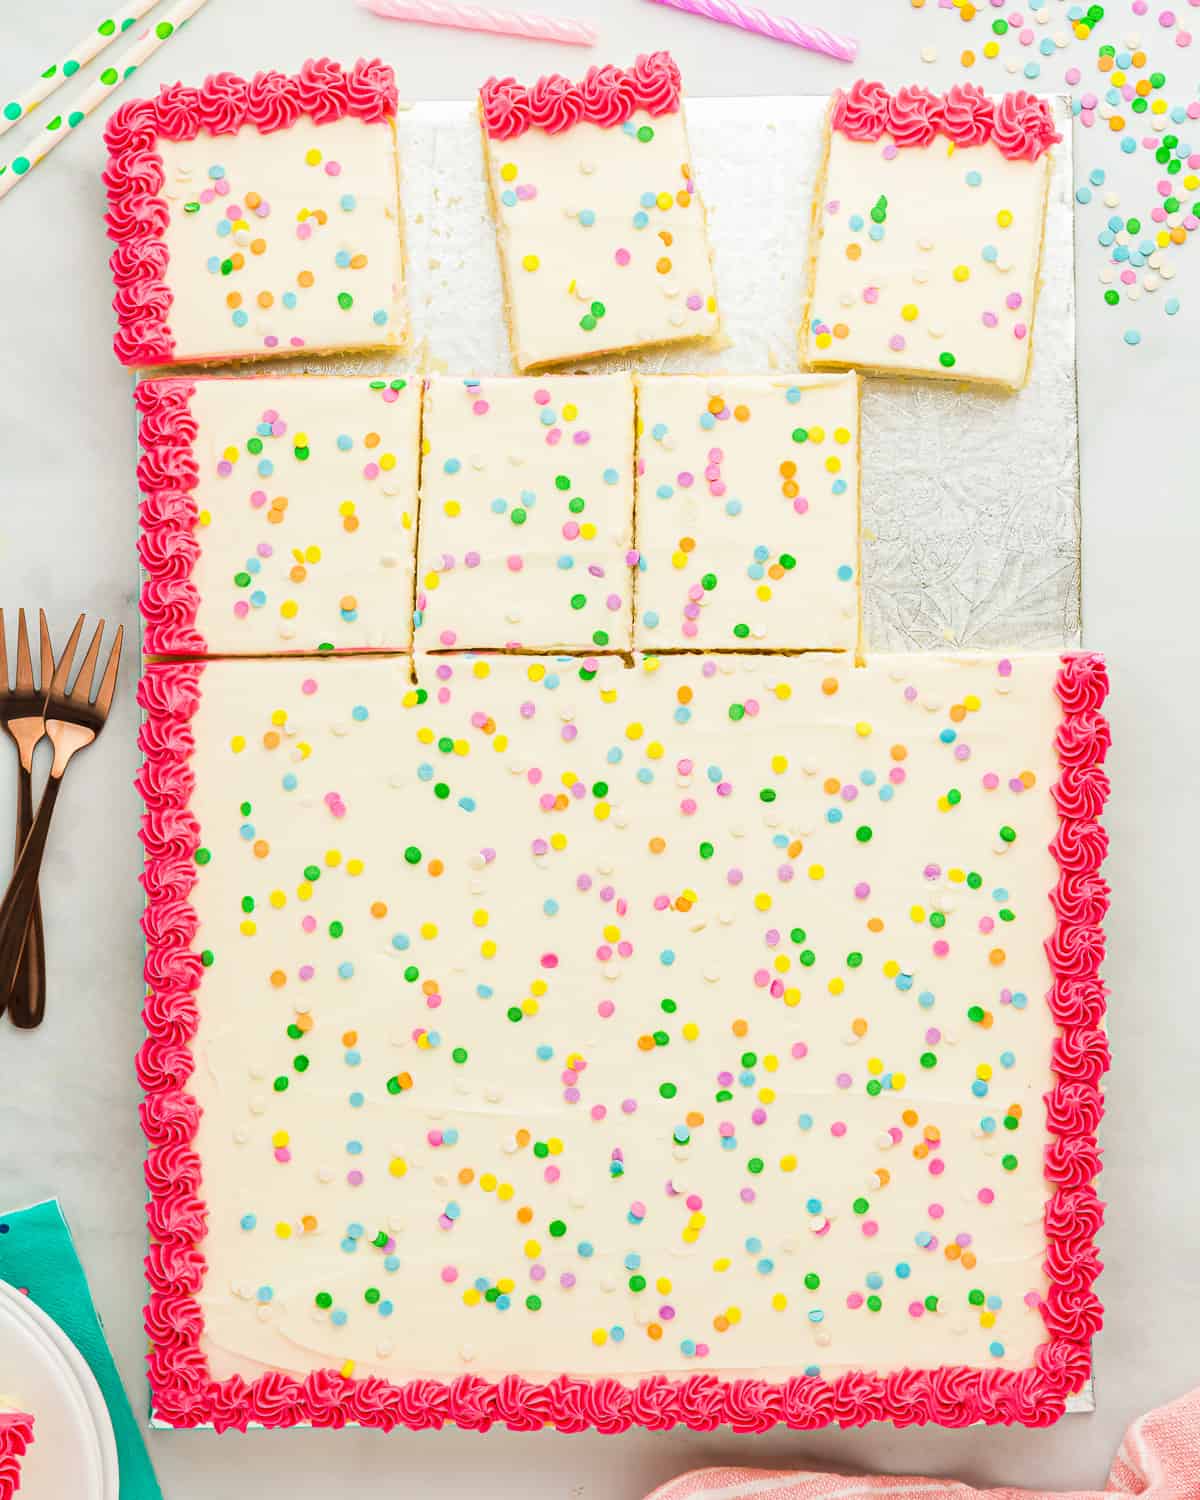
(73,1450)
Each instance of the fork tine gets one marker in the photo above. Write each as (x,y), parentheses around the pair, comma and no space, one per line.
(82,691)
(58,686)
(46,663)
(24,660)
(108,682)
(3,655)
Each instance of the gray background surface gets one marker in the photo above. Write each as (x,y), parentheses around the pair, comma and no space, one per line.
(68,1101)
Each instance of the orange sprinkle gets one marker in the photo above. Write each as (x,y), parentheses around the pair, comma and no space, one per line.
(720,1322)
(829,686)
(687,544)
(910,1117)
(874,924)
(372,440)
(788,469)
(684,695)
(694,1118)
(859,1026)
(645,1043)
(524,1214)
(740,1027)
(379,908)
(899,752)
(932,1133)
(271,739)
(654,1331)
(958,713)
(234,299)
(952,1251)
(996,957)
(466,1176)
(349,1038)
(832,785)
(523,1137)
(853,250)
(278,978)
(436,868)
(741,413)
(841,330)
(968,1260)
(258,246)
(305,278)
(716,405)
(308,1222)
(662,265)
(657,844)
(357,262)
(265,299)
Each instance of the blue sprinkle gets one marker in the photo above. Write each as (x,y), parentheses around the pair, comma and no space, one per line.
(1132,336)
(1171,306)
(347,202)
(338,1317)
(248,1221)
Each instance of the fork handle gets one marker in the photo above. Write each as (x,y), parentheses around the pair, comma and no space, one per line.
(27,998)
(21,896)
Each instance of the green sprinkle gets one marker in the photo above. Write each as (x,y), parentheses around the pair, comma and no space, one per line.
(946,359)
(412,855)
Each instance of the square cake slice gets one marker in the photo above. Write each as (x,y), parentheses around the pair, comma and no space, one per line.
(601,230)
(278,513)
(257,217)
(747,515)
(559,1042)
(926,239)
(526,513)
(16,1434)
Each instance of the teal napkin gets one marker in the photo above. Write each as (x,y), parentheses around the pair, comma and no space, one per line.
(38,1256)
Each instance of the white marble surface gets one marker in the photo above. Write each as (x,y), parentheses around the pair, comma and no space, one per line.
(68,1102)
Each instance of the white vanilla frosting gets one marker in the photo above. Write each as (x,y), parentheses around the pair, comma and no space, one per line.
(566,1016)
(747,511)
(306,504)
(926,259)
(602,239)
(284,242)
(527,512)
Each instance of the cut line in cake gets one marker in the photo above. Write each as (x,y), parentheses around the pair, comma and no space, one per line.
(927,229)
(600,226)
(257,217)
(457,1108)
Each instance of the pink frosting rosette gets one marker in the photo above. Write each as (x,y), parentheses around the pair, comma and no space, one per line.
(914,116)
(861,112)
(967,115)
(555,104)
(505,106)
(1024,127)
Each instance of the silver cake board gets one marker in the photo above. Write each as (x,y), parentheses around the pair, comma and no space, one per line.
(970,497)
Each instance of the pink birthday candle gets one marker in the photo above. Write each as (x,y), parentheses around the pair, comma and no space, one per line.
(779,28)
(484,18)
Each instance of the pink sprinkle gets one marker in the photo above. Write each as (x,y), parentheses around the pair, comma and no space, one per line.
(271,340)
(480,408)
(854,1300)
(1073,75)
(1183,38)
(241,609)
(799,1049)
(838,1129)
(936,1210)
(449,1273)
(870,1228)
(605,1009)
(870,294)
(941,948)
(354,1178)
(896,342)
(990,319)
(515,564)
(862,890)
(622,256)
(916,1309)
(986,1195)
(843,1080)
(1013,300)
(1166,19)
(1004,667)
(554,436)
(889,152)
(224,468)
(333,169)
(549,960)
(306,971)
(304,231)
(1019,330)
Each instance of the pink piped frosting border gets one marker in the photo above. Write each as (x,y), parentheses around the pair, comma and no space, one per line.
(223,104)
(1020,124)
(185,1394)
(605,96)
(167,544)
(16,1434)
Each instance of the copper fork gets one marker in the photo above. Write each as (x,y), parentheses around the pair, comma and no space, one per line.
(73,720)
(22,714)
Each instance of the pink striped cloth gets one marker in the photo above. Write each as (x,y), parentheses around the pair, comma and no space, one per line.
(1160,1457)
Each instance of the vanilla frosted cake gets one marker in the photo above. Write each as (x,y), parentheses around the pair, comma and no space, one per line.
(928,217)
(16,1434)
(599,223)
(257,217)
(747,512)
(548,1040)
(278,514)
(527,512)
